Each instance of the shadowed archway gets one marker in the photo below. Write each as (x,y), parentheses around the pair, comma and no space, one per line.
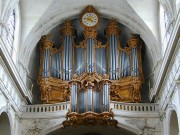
(173,125)
(4,124)
(96,130)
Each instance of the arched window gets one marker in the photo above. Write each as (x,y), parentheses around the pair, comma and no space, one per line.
(11,31)
(164,24)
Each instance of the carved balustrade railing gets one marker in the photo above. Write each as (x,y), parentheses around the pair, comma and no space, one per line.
(134,107)
(42,108)
(129,107)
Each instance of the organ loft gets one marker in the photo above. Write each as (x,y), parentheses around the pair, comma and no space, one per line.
(90,74)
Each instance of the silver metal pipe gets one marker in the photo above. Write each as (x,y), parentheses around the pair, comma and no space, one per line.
(110,51)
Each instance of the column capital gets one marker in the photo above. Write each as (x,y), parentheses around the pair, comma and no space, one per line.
(68,28)
(45,43)
(135,41)
(113,28)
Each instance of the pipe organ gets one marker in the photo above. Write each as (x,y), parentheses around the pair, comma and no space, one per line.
(90,74)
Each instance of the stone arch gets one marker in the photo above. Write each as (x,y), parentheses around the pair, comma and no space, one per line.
(126,127)
(5,109)
(173,124)
(51,129)
(5,126)
(172,118)
(124,16)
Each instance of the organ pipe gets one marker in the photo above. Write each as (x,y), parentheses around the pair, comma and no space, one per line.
(105,97)
(136,44)
(68,33)
(56,64)
(97,101)
(112,33)
(74,86)
(82,101)
(79,63)
(89,99)
(90,37)
(90,55)
(45,60)
(105,90)
(124,64)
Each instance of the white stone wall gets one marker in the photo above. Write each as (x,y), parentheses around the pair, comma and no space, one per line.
(10,98)
(40,126)
(168,95)
(7,107)
(18,71)
(173,105)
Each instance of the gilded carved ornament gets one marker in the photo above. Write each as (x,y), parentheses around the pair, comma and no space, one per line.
(135,41)
(90,119)
(90,33)
(68,28)
(112,28)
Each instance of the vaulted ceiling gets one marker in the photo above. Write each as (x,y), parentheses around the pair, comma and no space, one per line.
(40,17)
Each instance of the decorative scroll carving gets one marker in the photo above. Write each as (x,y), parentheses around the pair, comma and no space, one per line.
(53,90)
(126,89)
(90,119)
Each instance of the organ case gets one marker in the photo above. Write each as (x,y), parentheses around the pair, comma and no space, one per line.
(90,74)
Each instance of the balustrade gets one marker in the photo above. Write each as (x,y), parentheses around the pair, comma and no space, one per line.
(135,107)
(130,107)
(46,108)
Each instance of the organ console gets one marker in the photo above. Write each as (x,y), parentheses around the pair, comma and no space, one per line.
(90,74)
